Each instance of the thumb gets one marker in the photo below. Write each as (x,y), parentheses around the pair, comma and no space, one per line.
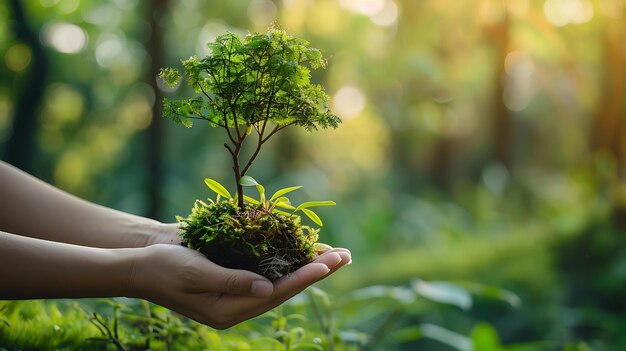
(238,282)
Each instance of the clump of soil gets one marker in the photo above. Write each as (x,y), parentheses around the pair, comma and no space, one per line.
(252,238)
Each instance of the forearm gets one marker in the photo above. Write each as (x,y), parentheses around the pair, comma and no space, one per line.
(34,268)
(33,208)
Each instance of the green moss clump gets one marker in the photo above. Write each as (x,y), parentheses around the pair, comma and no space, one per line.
(251,238)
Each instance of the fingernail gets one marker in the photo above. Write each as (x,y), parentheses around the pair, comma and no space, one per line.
(346,257)
(261,288)
(338,261)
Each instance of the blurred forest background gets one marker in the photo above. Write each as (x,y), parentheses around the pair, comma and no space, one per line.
(482,141)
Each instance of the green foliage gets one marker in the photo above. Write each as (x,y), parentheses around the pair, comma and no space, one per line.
(276,200)
(248,82)
(261,82)
(374,318)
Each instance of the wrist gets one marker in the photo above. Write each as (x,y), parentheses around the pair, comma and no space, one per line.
(132,260)
(164,233)
(146,232)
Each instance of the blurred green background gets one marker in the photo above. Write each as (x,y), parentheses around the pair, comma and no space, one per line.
(482,141)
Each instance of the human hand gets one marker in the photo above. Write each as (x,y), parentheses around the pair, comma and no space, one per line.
(184,281)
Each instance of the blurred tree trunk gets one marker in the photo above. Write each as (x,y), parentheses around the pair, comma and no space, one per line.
(502,127)
(607,130)
(442,162)
(156,48)
(21,146)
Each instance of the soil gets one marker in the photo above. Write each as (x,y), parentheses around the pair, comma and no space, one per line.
(252,238)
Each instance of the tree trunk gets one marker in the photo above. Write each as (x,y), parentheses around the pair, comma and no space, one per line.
(607,130)
(502,131)
(156,48)
(21,146)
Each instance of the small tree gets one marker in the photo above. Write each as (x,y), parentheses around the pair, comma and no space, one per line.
(260,84)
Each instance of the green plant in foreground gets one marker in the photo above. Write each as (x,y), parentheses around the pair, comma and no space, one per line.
(252,87)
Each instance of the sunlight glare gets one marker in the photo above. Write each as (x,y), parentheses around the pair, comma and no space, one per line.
(365,7)
(387,16)
(262,12)
(109,49)
(208,33)
(383,13)
(348,102)
(65,37)
(563,12)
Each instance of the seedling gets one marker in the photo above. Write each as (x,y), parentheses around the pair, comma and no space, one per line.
(252,87)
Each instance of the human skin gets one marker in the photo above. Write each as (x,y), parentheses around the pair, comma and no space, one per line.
(54,245)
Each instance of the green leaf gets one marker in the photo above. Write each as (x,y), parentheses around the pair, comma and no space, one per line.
(443,292)
(284,205)
(248,181)
(251,200)
(315,204)
(218,188)
(284,199)
(313,216)
(321,296)
(261,190)
(493,292)
(485,337)
(455,340)
(284,191)
(408,334)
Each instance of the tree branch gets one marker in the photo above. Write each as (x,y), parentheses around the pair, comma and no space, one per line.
(277,129)
(195,117)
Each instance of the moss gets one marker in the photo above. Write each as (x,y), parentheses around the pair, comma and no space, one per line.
(252,238)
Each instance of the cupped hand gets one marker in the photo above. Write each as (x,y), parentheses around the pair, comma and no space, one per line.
(184,281)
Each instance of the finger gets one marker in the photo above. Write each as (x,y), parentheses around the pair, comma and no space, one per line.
(285,288)
(320,248)
(235,281)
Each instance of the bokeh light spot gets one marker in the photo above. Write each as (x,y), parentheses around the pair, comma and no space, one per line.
(211,30)
(17,57)
(325,19)
(348,102)
(387,16)
(62,105)
(65,37)
(71,171)
(563,12)
(262,12)
(518,64)
(364,7)
(136,114)
(109,49)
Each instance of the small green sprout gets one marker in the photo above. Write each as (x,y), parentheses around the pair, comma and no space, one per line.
(276,200)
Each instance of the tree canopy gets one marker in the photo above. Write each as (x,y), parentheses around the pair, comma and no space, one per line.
(261,82)
(252,81)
